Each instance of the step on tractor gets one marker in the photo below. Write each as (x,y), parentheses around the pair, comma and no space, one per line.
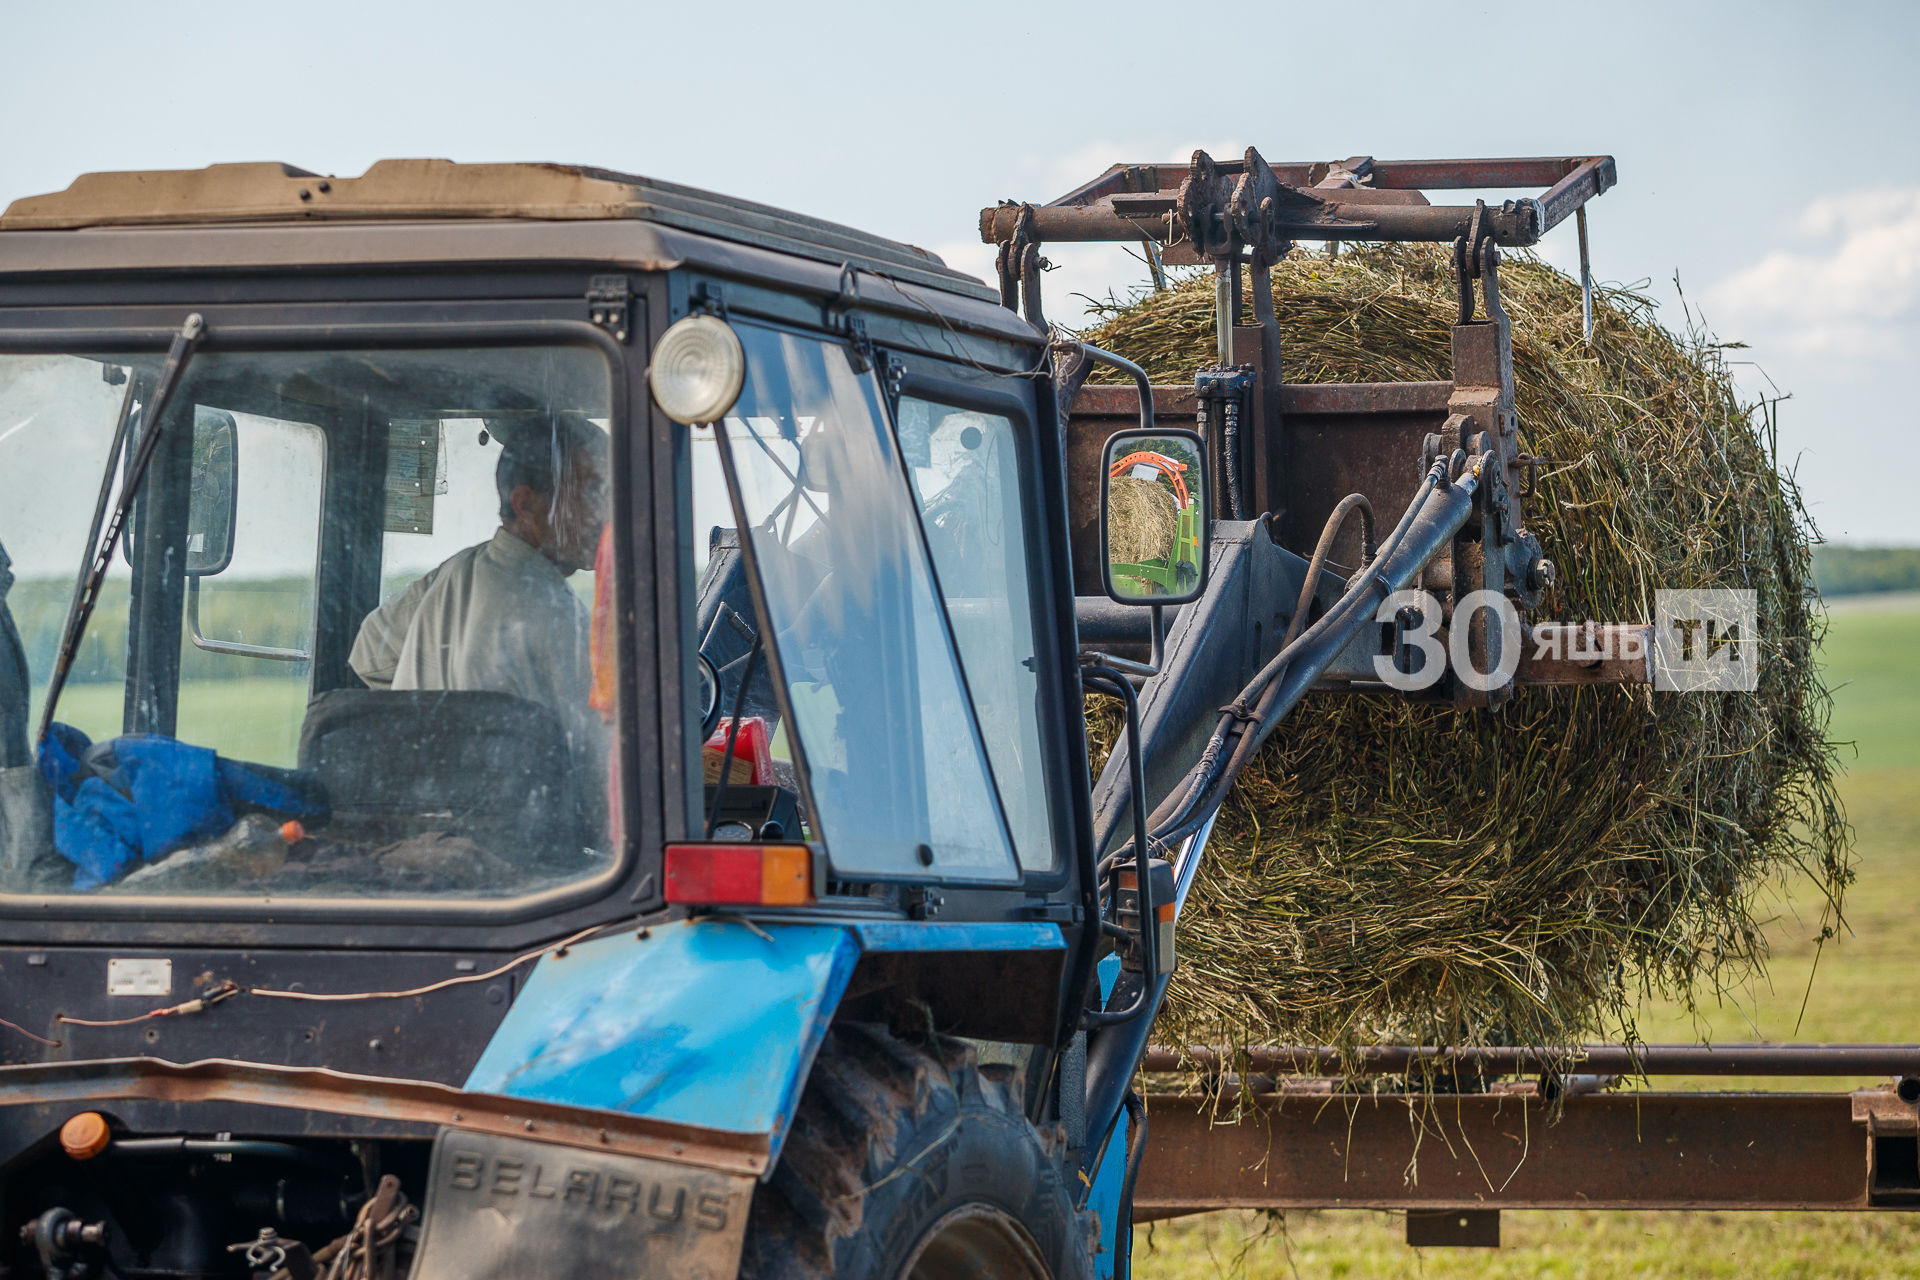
(542,731)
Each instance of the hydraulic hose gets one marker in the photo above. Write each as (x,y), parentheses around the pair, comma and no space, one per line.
(1441,514)
(1113,1058)
(1329,534)
(1180,801)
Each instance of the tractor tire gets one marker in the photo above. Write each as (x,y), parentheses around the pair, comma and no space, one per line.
(910,1161)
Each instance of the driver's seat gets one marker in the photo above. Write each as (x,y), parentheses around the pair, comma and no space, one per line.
(489,766)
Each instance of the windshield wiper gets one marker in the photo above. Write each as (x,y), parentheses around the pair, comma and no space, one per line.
(100,554)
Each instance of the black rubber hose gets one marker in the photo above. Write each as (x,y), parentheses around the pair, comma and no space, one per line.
(1180,800)
(1230,455)
(1329,534)
(1112,682)
(226,1148)
(1440,518)
(1113,1059)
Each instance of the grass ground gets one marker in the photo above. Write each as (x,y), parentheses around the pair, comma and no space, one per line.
(1855,992)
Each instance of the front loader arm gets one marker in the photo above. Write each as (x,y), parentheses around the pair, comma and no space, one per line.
(1187,738)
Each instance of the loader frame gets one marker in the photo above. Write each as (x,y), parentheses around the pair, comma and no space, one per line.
(1273,1128)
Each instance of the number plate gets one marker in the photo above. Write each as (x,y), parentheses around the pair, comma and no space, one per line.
(139,977)
(506,1209)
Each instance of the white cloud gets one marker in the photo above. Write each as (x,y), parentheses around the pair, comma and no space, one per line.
(1851,287)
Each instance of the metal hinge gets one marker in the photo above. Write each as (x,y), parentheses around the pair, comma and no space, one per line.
(1052,912)
(609,301)
(859,345)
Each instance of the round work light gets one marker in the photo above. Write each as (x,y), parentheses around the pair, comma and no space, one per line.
(698,368)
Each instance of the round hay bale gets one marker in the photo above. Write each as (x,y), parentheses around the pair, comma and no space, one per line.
(1391,872)
(1141,520)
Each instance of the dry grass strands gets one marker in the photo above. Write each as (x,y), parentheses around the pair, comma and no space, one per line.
(1396,873)
(1141,517)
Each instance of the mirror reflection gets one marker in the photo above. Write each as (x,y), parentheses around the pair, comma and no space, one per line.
(1154,515)
(211,502)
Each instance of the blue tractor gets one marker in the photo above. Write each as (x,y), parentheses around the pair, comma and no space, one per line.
(542,711)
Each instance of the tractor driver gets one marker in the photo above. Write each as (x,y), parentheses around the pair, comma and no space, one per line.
(500,616)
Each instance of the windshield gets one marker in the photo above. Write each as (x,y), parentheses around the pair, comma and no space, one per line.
(343,649)
(895,571)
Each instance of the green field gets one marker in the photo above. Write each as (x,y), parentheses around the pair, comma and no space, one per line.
(251,718)
(1856,992)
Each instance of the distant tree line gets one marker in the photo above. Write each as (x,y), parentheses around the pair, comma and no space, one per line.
(1850,571)
(273,612)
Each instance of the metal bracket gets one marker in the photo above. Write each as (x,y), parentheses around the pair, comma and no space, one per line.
(1229,392)
(859,345)
(609,300)
(1218,214)
(1884,1112)
(1468,260)
(1018,265)
(892,373)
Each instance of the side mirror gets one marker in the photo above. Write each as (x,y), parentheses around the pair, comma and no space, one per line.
(215,494)
(1154,528)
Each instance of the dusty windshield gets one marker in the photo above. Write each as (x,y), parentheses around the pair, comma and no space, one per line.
(346,648)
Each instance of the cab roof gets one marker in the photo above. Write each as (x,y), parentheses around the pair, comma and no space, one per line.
(441,190)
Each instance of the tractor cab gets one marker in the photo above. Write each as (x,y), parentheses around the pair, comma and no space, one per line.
(534,634)
(411,562)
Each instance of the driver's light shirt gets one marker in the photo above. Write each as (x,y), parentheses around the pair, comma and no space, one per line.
(497,617)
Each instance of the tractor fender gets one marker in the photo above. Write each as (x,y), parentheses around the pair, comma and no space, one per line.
(714,1022)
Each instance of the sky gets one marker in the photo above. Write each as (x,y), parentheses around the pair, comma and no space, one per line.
(1767,152)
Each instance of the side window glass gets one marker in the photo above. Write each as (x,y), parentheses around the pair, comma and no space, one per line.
(967,473)
(245,653)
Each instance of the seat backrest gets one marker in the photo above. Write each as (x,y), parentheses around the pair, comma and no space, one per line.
(489,766)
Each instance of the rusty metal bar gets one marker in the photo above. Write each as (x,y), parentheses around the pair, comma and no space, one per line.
(1130,202)
(1586,277)
(1513,226)
(342,1094)
(1488,1151)
(1649,1060)
(1589,653)
(1572,192)
(1483,175)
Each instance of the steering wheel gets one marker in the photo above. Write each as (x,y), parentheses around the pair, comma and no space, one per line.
(709,696)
